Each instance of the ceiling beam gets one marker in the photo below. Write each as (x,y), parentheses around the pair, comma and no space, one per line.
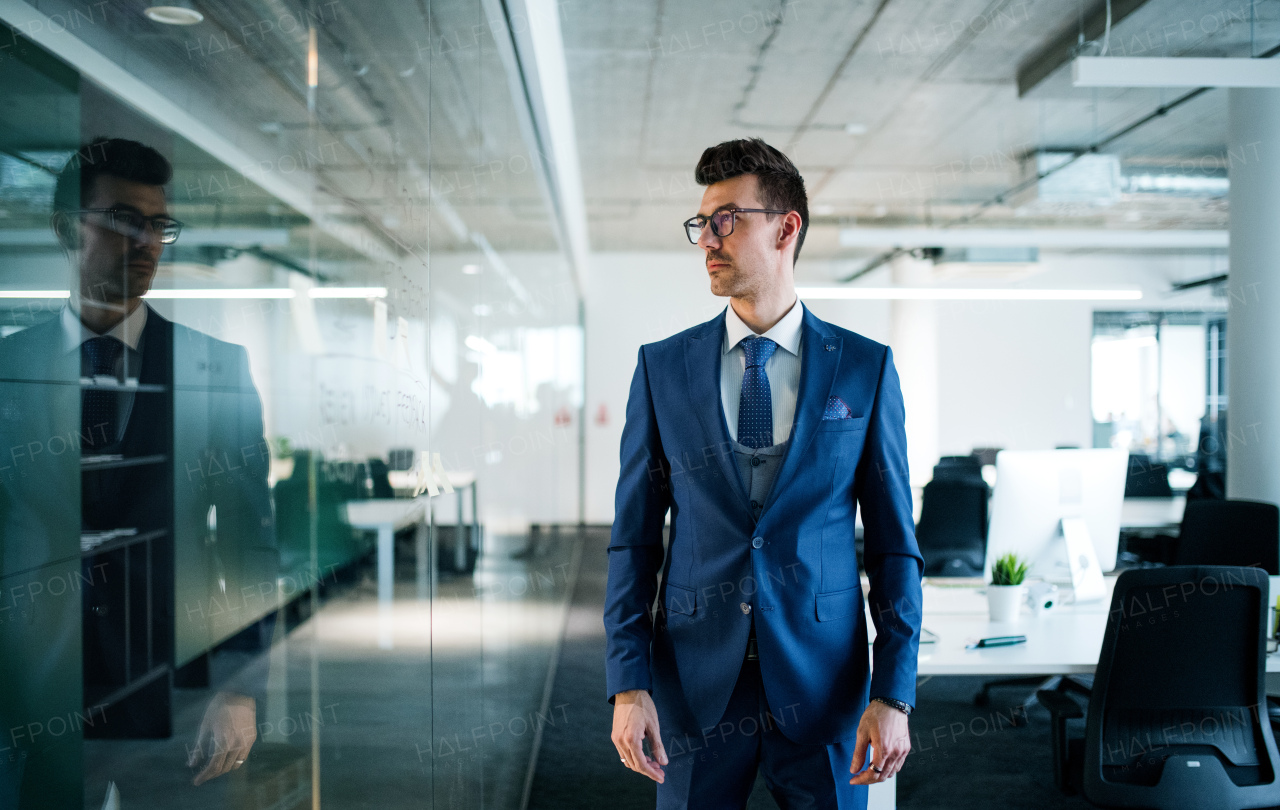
(1062,49)
(217,138)
(528,39)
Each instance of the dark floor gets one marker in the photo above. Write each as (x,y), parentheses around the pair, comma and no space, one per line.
(443,718)
(964,757)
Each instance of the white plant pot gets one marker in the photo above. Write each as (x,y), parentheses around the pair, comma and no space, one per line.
(1004,602)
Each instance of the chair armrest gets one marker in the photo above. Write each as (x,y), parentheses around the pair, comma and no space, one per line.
(1059,705)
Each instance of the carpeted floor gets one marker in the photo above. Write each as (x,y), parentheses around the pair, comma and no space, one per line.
(964,757)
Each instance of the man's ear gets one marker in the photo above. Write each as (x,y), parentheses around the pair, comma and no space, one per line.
(790,227)
(66,230)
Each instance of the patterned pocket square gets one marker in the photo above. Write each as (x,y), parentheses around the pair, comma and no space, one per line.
(836,409)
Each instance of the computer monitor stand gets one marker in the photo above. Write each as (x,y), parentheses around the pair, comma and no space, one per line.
(1086,574)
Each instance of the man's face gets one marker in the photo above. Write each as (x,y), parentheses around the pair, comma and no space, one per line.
(744,262)
(115,267)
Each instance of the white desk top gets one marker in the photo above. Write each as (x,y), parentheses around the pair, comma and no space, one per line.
(1153,513)
(376,512)
(1065,640)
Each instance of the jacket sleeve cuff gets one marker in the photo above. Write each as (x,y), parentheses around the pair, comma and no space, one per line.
(644,684)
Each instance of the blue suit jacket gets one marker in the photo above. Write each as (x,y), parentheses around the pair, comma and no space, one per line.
(795,570)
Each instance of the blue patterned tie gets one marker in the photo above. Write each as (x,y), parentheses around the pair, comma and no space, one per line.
(755,406)
(98,408)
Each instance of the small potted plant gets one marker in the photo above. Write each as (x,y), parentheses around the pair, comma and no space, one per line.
(1006,592)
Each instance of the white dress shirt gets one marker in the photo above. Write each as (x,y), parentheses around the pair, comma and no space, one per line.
(782,368)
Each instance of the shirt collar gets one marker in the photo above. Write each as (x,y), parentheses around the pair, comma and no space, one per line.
(128,331)
(786,332)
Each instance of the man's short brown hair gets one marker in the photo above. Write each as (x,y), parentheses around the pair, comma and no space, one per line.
(107,157)
(781,185)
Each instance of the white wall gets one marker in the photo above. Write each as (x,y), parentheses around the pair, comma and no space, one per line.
(1011,374)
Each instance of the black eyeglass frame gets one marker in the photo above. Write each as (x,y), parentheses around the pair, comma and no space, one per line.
(165,224)
(733,221)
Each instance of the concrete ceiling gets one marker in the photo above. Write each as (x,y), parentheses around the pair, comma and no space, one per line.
(929,87)
(898,112)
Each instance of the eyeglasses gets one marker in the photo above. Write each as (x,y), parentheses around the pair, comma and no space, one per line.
(722,222)
(136,226)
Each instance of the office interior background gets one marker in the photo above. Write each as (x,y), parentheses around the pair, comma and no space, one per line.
(441,229)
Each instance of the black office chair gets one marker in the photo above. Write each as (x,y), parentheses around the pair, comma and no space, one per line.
(950,468)
(1230,533)
(1146,479)
(378,471)
(952,534)
(1172,717)
(1211,459)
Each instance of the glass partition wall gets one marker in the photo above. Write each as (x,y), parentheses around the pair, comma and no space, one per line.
(290,396)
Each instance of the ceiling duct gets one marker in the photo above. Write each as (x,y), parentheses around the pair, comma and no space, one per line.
(1054,178)
(985,263)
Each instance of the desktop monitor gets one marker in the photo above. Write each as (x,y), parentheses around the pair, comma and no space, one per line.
(1038,493)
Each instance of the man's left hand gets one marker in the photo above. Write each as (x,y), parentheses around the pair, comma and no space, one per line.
(884,728)
(227,732)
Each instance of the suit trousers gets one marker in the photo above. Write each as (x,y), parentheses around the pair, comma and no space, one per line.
(716,770)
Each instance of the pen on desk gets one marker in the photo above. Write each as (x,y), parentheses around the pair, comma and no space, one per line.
(997,641)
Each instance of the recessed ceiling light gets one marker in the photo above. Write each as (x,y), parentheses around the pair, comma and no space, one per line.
(176,12)
(471,269)
(855,129)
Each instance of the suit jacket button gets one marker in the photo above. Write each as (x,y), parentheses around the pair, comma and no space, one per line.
(745,608)
(757,542)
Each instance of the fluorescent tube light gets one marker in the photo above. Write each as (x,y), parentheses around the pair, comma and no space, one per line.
(963,294)
(263,292)
(218,293)
(348,292)
(35,293)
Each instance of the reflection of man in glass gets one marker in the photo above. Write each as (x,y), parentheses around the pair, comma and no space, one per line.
(111,218)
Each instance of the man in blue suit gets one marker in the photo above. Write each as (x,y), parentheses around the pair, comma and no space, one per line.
(761,431)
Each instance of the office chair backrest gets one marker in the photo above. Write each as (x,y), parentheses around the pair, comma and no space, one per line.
(378,471)
(952,533)
(1230,533)
(1146,478)
(1173,720)
(400,458)
(951,467)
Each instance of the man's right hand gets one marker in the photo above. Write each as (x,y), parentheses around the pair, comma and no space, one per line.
(634,718)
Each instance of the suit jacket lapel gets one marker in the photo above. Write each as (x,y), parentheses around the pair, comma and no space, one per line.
(818,365)
(702,367)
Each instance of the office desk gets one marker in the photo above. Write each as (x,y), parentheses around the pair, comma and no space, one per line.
(1064,641)
(386,516)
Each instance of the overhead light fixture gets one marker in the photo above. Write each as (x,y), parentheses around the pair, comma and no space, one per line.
(348,292)
(1174,71)
(962,294)
(176,12)
(855,129)
(479,344)
(1069,238)
(195,293)
(471,269)
(35,293)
